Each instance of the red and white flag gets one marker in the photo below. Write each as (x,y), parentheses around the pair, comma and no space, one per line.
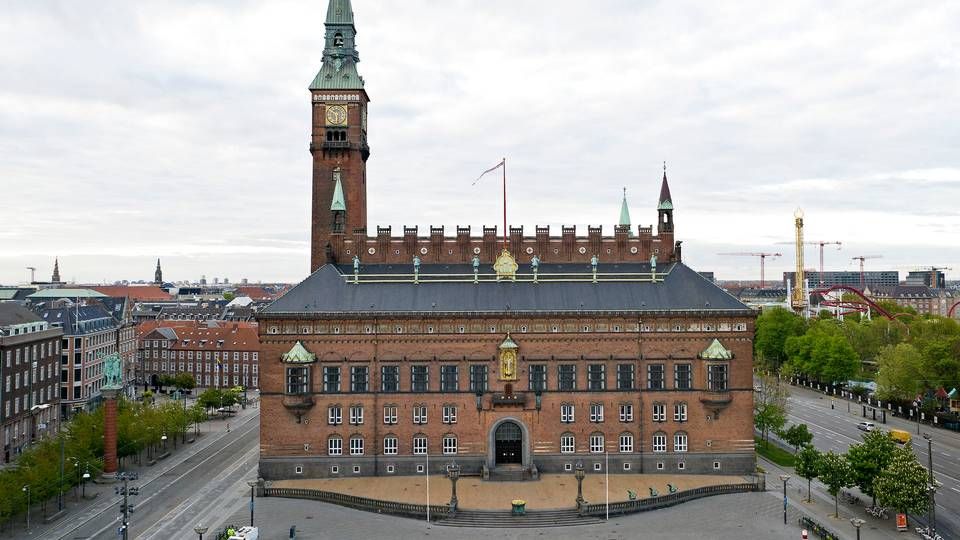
(490,170)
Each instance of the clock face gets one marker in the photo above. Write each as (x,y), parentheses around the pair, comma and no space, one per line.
(336,115)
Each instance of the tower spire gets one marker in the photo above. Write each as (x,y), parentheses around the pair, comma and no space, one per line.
(666,203)
(158,274)
(55,278)
(340,57)
(625,212)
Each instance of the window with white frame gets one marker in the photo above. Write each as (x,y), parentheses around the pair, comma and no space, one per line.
(566,413)
(682,377)
(389,414)
(335,446)
(390,445)
(334,415)
(680,442)
(596,443)
(596,412)
(659,412)
(626,443)
(356,446)
(449,414)
(419,444)
(680,412)
(626,412)
(449,445)
(659,442)
(567,443)
(356,414)
(419,414)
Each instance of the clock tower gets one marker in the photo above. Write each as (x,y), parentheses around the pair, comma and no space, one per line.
(338,140)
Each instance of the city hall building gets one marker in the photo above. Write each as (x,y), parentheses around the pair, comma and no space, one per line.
(510,355)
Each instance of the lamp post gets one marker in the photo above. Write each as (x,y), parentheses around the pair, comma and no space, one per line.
(163,438)
(857,523)
(453,473)
(252,484)
(86,476)
(784,478)
(578,473)
(200,529)
(931,512)
(26,489)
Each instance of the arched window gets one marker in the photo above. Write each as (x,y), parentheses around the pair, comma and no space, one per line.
(680,442)
(356,445)
(626,443)
(338,40)
(390,443)
(567,443)
(449,444)
(419,444)
(335,446)
(659,442)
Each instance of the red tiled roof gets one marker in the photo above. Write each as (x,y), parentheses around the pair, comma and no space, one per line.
(141,294)
(254,292)
(205,335)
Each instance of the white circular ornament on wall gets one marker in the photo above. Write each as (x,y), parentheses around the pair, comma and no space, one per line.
(634,250)
(529,251)
(476,251)
(423,251)
(582,250)
(371,250)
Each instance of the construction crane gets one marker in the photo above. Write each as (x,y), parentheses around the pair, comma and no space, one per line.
(933,274)
(862,258)
(763,257)
(820,243)
(33,272)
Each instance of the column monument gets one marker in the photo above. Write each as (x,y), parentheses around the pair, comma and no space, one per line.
(113,386)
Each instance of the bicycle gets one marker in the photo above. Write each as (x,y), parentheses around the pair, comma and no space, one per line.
(927,534)
(877,511)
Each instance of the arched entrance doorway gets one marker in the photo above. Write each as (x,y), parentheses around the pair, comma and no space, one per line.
(508,444)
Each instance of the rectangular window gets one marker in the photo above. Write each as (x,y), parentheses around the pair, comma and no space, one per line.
(655,376)
(626,412)
(596,412)
(538,377)
(567,443)
(683,377)
(335,446)
(419,378)
(419,414)
(356,415)
(449,414)
(298,379)
(680,442)
(334,415)
(356,446)
(659,412)
(567,376)
(478,378)
(596,379)
(659,442)
(449,445)
(359,379)
(626,443)
(717,377)
(566,413)
(390,446)
(390,379)
(389,414)
(331,379)
(449,378)
(625,376)
(596,443)
(680,412)
(419,445)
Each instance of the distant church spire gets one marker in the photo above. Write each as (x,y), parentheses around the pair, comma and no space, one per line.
(55,278)
(158,274)
(625,213)
(666,203)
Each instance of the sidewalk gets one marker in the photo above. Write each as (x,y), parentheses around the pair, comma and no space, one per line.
(101,497)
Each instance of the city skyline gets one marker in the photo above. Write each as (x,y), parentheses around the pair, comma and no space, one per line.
(189,143)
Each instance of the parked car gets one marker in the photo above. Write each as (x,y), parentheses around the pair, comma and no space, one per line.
(866,426)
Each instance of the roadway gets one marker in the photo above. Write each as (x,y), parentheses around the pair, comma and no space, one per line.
(198,485)
(836,429)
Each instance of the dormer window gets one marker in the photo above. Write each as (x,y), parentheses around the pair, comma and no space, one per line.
(338,40)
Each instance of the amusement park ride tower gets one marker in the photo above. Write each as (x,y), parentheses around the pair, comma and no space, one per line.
(798,298)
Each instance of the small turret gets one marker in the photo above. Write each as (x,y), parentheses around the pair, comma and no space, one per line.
(665,206)
(158,274)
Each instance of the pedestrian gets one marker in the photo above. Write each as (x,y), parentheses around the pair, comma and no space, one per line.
(228,427)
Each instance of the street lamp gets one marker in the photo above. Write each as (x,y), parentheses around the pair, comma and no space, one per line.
(26,489)
(252,484)
(784,478)
(578,473)
(86,476)
(857,523)
(453,472)
(931,512)
(200,529)
(164,439)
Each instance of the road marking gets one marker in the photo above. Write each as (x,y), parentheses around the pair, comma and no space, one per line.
(955,489)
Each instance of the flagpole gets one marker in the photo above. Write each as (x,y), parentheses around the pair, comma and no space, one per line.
(504,203)
(428,483)
(606,480)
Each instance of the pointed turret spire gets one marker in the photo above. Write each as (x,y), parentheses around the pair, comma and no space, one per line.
(666,203)
(625,213)
(338,204)
(340,57)
(55,278)
(158,274)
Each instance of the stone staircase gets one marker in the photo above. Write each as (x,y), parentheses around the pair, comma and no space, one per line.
(505,519)
(509,473)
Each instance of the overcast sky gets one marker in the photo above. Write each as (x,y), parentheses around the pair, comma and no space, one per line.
(136,130)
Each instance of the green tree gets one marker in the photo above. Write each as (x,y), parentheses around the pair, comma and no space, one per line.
(900,374)
(229,296)
(903,484)
(807,465)
(769,406)
(869,458)
(835,473)
(796,436)
(773,327)
(822,353)
(184,381)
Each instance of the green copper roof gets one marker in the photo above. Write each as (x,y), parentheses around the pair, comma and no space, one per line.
(625,212)
(338,202)
(67,293)
(339,12)
(665,205)
(299,354)
(509,343)
(340,57)
(716,351)
(331,78)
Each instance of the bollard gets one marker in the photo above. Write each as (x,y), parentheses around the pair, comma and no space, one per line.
(293,531)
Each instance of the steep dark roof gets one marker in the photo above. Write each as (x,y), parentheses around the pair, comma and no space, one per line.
(11,313)
(451,289)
